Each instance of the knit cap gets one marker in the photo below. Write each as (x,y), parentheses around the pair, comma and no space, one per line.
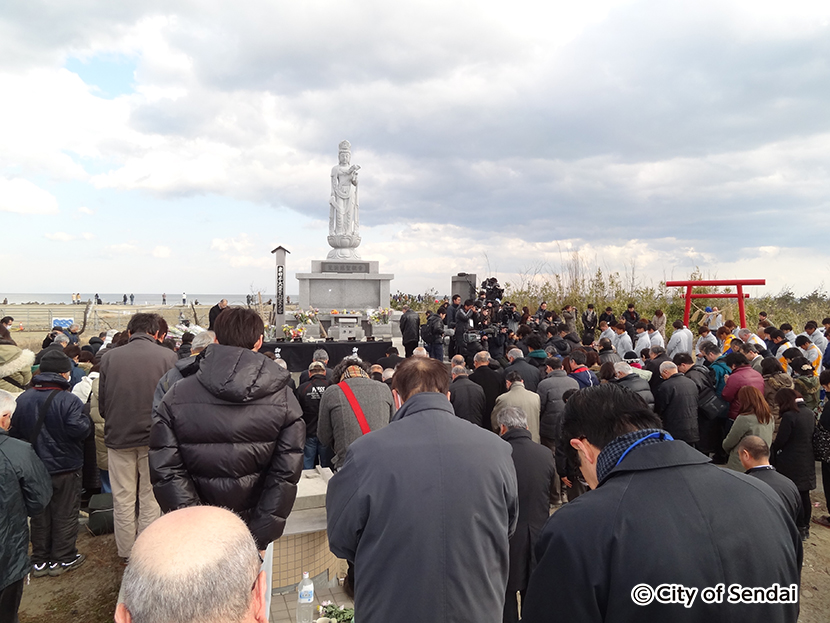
(55,361)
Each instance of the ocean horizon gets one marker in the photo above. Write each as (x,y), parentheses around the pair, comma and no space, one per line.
(141,298)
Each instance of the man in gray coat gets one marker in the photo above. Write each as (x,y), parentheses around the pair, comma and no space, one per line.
(416,509)
(552,407)
(337,424)
(129,376)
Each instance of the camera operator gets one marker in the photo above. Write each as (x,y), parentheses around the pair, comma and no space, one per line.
(466,317)
(509,316)
(494,337)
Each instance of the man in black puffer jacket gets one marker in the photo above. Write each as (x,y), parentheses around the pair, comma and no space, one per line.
(59,442)
(676,404)
(231,435)
(626,377)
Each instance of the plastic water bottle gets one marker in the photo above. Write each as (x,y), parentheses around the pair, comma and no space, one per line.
(305,600)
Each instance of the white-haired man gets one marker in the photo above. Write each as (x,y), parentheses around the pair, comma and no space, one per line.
(216,577)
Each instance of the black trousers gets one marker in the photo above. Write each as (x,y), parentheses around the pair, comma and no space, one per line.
(409,347)
(556,485)
(55,530)
(511,606)
(806,511)
(10,601)
(825,477)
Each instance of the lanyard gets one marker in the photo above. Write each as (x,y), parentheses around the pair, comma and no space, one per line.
(660,434)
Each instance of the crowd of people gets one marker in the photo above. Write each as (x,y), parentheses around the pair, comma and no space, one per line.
(667,458)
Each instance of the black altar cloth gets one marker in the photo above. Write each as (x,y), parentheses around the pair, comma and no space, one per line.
(298,355)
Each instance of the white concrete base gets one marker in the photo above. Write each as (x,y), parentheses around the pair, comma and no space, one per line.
(349,285)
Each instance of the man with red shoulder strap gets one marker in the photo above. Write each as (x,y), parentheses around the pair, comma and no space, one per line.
(339,422)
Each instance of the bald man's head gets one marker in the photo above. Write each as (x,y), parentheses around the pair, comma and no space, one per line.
(195,564)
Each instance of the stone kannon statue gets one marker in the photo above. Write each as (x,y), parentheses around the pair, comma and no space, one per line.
(344,217)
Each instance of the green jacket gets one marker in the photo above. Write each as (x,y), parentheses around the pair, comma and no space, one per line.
(745,424)
(808,387)
(25,490)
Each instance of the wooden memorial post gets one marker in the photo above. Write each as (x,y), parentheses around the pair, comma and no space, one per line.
(279,291)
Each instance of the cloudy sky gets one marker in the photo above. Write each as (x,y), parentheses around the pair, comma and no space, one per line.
(165,146)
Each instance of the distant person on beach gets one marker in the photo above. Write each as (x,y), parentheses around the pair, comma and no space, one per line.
(184,298)
(132,299)
(164,299)
(125,299)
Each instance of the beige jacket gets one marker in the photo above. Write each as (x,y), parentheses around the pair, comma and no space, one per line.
(528,401)
(15,363)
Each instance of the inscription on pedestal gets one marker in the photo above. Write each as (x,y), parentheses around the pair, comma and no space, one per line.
(345,267)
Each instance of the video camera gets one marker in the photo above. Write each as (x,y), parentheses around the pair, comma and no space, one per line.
(492,290)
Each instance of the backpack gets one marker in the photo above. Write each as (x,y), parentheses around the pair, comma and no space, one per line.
(101,519)
(426,333)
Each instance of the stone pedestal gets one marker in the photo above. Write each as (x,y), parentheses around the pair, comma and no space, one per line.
(344,285)
(382,331)
(345,326)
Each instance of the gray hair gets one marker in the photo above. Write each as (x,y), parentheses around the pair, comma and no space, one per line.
(667,366)
(457,360)
(74,326)
(219,591)
(482,356)
(420,351)
(388,373)
(60,338)
(744,333)
(320,355)
(7,402)
(281,363)
(657,350)
(459,371)
(515,353)
(623,367)
(512,417)
(202,340)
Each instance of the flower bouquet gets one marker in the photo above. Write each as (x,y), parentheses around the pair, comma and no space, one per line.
(293,332)
(306,317)
(379,316)
(332,614)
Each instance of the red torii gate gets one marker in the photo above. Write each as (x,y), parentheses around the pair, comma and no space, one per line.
(740,295)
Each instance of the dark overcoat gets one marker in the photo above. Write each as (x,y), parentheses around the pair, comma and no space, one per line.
(664,514)
(534,475)
(792,450)
(424,508)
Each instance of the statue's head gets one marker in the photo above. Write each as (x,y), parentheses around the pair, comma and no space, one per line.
(345,152)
